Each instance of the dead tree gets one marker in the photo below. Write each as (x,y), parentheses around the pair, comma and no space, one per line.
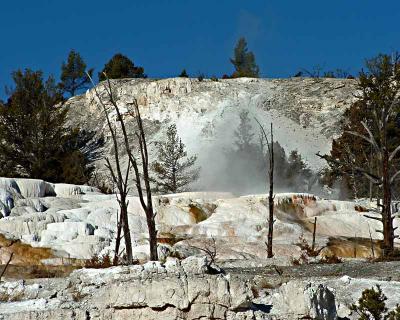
(210,249)
(271,197)
(120,179)
(6,265)
(141,177)
(314,233)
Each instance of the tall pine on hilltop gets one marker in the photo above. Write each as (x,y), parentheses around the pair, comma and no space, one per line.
(244,61)
(73,76)
(120,67)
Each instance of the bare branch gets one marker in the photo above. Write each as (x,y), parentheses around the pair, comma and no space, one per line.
(375,179)
(6,265)
(394,177)
(373,218)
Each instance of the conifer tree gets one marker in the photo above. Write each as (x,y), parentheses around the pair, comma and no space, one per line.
(73,76)
(35,141)
(174,170)
(244,61)
(120,67)
(371,305)
(244,135)
(184,74)
(370,146)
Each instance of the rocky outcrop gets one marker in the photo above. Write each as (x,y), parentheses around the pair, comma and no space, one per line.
(153,291)
(179,290)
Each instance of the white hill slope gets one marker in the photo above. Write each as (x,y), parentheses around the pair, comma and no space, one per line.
(306,115)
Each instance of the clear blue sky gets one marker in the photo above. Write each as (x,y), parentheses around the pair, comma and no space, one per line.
(165,36)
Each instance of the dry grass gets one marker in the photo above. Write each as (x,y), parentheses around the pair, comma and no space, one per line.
(360,208)
(27,261)
(353,247)
(99,262)
(305,246)
(168,238)
(39,271)
(24,254)
(78,296)
(330,260)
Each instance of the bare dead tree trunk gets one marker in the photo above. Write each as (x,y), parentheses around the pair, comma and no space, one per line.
(382,179)
(145,195)
(6,265)
(314,232)
(355,246)
(148,206)
(117,241)
(371,185)
(271,197)
(120,180)
(372,242)
(387,220)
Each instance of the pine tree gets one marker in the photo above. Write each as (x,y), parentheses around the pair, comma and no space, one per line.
(120,67)
(297,167)
(244,136)
(370,146)
(371,305)
(35,141)
(184,74)
(174,170)
(73,76)
(394,314)
(244,61)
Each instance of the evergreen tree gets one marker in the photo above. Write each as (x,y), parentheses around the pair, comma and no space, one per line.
(297,168)
(184,74)
(120,67)
(244,61)
(174,170)
(73,76)
(244,136)
(371,305)
(350,149)
(377,157)
(245,171)
(35,141)
(247,166)
(394,314)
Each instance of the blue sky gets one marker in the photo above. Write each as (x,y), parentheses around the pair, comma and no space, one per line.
(165,36)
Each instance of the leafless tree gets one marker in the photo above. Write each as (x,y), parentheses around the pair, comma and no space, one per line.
(271,196)
(6,265)
(141,177)
(210,250)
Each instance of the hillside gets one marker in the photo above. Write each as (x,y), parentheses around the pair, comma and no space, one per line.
(305,112)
